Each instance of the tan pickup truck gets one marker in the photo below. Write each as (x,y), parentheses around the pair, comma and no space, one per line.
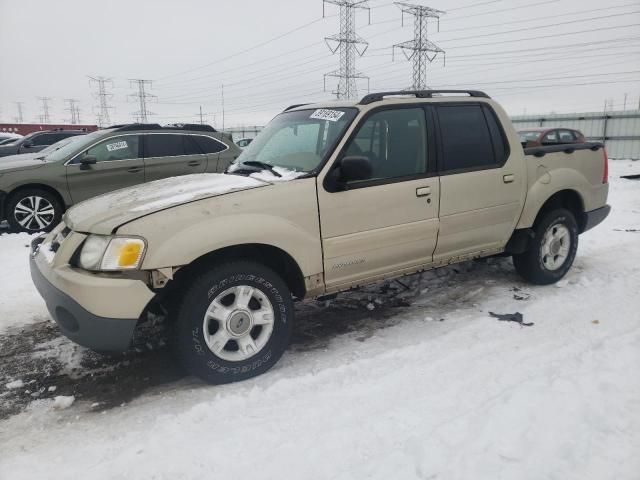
(327,198)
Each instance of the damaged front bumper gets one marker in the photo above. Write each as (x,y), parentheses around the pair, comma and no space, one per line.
(95,311)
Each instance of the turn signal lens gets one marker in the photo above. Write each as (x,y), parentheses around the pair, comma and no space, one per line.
(123,254)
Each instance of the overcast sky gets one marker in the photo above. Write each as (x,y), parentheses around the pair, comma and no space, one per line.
(534,56)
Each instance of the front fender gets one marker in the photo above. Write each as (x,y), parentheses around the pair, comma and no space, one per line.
(282,216)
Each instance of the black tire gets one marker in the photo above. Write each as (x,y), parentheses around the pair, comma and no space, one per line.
(14,215)
(189,342)
(531,264)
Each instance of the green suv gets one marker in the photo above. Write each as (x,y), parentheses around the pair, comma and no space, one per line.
(36,191)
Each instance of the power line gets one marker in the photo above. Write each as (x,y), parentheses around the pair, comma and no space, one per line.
(142,97)
(422,50)
(44,116)
(103,97)
(347,42)
(261,44)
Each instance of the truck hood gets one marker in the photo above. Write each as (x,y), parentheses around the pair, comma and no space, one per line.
(104,214)
(13,163)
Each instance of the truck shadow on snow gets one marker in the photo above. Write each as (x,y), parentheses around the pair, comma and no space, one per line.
(49,365)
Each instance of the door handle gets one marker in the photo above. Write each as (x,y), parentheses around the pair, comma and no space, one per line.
(423,191)
(135,170)
(508,178)
(194,163)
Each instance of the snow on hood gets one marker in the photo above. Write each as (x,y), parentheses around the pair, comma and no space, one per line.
(105,213)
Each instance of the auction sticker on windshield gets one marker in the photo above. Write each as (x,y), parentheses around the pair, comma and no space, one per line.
(324,114)
(117,146)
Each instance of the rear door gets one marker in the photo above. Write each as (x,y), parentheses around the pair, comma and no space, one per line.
(171,155)
(389,223)
(118,164)
(481,181)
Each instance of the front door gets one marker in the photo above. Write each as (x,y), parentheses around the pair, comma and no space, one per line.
(118,164)
(387,224)
(171,155)
(481,182)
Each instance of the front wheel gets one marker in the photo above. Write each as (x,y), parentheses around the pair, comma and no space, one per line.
(552,249)
(234,323)
(33,210)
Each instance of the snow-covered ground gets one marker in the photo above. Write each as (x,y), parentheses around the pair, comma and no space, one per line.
(425,385)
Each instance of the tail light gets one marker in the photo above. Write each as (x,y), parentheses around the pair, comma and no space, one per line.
(605,175)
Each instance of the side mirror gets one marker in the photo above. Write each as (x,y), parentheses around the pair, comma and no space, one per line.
(87,161)
(355,168)
(27,144)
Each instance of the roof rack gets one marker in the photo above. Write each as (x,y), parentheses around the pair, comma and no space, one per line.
(191,126)
(135,126)
(291,107)
(377,97)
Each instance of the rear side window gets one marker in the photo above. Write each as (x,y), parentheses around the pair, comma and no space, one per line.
(466,138)
(208,144)
(164,145)
(566,136)
(498,138)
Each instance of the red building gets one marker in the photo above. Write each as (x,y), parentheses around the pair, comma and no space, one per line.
(25,128)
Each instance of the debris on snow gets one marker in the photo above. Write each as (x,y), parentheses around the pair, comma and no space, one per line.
(15,384)
(62,402)
(511,317)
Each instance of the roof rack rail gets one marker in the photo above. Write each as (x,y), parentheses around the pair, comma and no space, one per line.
(135,126)
(291,107)
(377,97)
(191,126)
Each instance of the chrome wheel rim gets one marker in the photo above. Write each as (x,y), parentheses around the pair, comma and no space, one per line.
(556,245)
(238,323)
(34,213)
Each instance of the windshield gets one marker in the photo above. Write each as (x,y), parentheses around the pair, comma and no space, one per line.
(76,145)
(526,136)
(297,141)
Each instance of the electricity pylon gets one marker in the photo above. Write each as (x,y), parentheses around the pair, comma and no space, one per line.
(350,44)
(420,50)
(101,111)
(44,117)
(20,117)
(142,97)
(73,110)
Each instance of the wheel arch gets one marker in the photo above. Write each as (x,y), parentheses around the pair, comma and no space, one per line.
(270,256)
(568,199)
(28,186)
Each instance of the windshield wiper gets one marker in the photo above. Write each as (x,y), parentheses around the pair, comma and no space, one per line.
(262,165)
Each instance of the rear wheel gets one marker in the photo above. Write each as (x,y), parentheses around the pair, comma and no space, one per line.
(552,251)
(234,323)
(33,210)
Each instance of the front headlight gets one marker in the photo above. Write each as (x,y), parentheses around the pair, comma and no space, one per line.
(112,254)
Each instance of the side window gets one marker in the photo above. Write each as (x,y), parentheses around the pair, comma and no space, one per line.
(551,138)
(163,145)
(498,138)
(466,138)
(566,136)
(208,144)
(116,148)
(190,145)
(44,139)
(394,141)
